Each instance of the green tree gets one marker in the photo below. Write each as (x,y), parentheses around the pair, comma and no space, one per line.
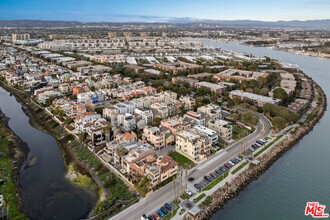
(264,91)
(156,122)
(280,93)
(278,123)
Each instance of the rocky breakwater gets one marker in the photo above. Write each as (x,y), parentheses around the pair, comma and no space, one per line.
(233,188)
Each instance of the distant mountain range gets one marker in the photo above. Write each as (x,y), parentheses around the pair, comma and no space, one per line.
(310,24)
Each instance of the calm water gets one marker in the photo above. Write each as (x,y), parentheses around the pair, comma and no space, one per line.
(299,176)
(46,192)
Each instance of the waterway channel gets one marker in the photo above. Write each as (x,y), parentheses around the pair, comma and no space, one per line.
(46,193)
(302,174)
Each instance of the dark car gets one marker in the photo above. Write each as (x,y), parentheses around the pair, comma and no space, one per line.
(197,186)
(150,217)
(169,208)
(219,172)
(234,161)
(164,210)
(191,179)
(207,178)
(260,142)
(223,168)
(144,217)
(213,175)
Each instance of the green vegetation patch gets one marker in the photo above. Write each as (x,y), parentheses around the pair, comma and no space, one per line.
(207,201)
(8,188)
(267,146)
(182,160)
(239,167)
(201,196)
(239,132)
(140,189)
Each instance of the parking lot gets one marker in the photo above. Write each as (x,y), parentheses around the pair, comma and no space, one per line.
(156,215)
(223,168)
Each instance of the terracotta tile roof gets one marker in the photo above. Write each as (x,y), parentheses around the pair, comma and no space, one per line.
(128,136)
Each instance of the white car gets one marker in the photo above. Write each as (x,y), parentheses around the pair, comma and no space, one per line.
(189,193)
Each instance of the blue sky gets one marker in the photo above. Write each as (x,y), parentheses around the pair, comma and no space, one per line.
(164,10)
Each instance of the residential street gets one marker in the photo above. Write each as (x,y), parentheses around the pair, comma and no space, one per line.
(153,202)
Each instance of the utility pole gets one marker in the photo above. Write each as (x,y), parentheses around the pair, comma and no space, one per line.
(174,182)
(181,181)
(186,179)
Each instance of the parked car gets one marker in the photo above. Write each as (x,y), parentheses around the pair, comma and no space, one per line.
(213,175)
(160,213)
(228,165)
(260,142)
(231,163)
(234,161)
(197,186)
(169,208)
(191,179)
(164,210)
(189,193)
(207,178)
(151,217)
(156,216)
(259,145)
(238,158)
(219,172)
(144,217)
(223,168)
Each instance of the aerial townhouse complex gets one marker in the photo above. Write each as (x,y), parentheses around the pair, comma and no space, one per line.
(139,103)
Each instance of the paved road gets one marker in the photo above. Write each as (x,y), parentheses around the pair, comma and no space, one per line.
(153,202)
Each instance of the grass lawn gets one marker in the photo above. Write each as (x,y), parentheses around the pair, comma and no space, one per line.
(239,132)
(184,196)
(239,167)
(82,181)
(199,197)
(267,146)
(182,160)
(215,182)
(140,189)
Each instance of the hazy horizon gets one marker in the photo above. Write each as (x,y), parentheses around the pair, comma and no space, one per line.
(164,11)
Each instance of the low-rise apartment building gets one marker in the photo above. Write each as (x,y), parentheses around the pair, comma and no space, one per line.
(175,125)
(189,102)
(212,111)
(195,146)
(218,89)
(146,115)
(194,118)
(223,128)
(212,134)
(255,99)
(155,137)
